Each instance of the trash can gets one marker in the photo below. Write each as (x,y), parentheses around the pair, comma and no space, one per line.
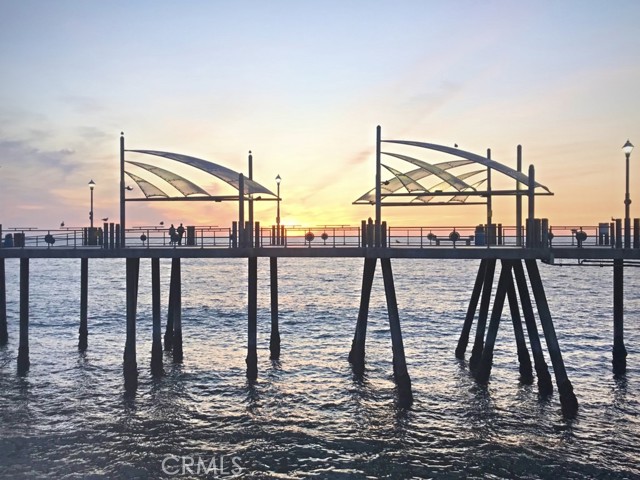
(8,240)
(191,235)
(480,236)
(490,237)
(603,234)
(18,239)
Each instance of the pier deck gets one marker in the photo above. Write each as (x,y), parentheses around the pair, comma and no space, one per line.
(549,255)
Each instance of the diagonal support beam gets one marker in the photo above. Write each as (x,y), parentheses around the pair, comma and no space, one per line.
(545,386)
(403,382)
(471,311)
(485,300)
(526,372)
(484,368)
(568,400)
(356,355)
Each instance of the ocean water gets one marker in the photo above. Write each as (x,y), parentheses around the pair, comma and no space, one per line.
(308,416)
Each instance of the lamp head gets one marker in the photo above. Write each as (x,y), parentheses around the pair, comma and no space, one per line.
(627,148)
(91,184)
(278,179)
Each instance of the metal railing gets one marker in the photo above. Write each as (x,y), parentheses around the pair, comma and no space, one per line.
(338,236)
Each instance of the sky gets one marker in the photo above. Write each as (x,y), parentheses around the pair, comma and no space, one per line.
(303,85)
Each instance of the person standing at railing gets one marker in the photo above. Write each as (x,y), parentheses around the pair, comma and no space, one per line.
(172,235)
(180,231)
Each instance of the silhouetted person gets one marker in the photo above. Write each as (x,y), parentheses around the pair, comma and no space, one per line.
(180,231)
(172,235)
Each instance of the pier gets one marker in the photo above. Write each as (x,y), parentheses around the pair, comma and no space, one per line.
(517,249)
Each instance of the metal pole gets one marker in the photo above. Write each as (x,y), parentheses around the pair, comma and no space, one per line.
(241,234)
(489,198)
(278,239)
(250,233)
(627,203)
(91,212)
(532,207)
(378,186)
(519,200)
(122,190)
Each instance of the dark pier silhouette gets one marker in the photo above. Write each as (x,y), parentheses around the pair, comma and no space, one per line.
(518,248)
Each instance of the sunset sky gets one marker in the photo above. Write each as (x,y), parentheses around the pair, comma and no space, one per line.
(303,85)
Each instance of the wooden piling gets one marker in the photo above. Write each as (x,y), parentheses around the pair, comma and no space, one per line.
(4,336)
(130,363)
(23,348)
(83,332)
(403,382)
(173,283)
(568,400)
(356,355)
(274,341)
(619,350)
(177,311)
(545,386)
(156,345)
(471,311)
(481,325)
(524,361)
(486,360)
(252,327)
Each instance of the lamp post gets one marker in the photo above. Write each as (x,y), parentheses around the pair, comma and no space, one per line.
(92,184)
(278,238)
(627,148)
(278,180)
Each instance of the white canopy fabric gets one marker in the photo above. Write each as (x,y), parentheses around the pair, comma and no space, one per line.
(251,187)
(183,185)
(148,188)
(519,176)
(405,183)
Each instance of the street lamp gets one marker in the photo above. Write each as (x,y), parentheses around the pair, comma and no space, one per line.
(627,148)
(92,184)
(278,180)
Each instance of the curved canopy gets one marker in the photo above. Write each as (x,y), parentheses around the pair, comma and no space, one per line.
(510,172)
(148,188)
(183,185)
(452,180)
(408,187)
(409,180)
(406,180)
(223,173)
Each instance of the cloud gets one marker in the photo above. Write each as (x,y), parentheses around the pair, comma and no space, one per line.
(361,157)
(83,105)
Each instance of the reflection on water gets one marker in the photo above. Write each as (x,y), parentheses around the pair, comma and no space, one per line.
(308,414)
